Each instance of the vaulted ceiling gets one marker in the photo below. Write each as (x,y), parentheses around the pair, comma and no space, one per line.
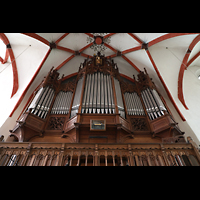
(166,56)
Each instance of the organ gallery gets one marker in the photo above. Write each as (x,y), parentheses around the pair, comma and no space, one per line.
(97,118)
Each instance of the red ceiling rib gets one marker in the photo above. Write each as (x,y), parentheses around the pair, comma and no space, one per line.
(15,73)
(87,46)
(112,56)
(110,34)
(65,49)
(165,37)
(89,34)
(136,38)
(9,52)
(192,59)
(132,49)
(64,62)
(183,68)
(62,37)
(132,64)
(127,77)
(163,83)
(3,61)
(31,81)
(113,49)
(85,55)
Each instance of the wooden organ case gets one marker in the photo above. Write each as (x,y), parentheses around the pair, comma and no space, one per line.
(97,106)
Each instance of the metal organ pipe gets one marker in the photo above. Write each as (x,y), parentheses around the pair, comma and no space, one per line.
(62,103)
(105,94)
(94,94)
(42,102)
(91,93)
(133,104)
(98,95)
(102,94)
(119,98)
(158,101)
(76,102)
(153,103)
(36,98)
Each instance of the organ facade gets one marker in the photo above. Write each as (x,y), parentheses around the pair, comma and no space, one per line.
(97,117)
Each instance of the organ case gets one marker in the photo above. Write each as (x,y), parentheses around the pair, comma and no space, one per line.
(61,109)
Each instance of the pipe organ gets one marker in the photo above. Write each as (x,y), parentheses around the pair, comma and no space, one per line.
(63,109)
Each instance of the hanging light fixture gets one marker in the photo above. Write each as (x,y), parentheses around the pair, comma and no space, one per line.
(98,42)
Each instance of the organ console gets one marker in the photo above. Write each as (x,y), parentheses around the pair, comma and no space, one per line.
(61,109)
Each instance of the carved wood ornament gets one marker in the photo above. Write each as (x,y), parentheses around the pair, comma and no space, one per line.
(56,123)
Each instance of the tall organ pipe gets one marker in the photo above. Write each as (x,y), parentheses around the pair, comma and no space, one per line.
(119,98)
(98,95)
(133,104)
(102,94)
(76,102)
(153,103)
(42,102)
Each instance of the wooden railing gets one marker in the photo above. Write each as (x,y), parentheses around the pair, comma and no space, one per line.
(80,154)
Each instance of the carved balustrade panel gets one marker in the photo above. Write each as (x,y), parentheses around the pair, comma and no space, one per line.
(77,154)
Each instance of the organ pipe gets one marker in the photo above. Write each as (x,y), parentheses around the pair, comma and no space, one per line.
(120,104)
(98,94)
(133,104)
(62,103)
(76,101)
(153,103)
(42,102)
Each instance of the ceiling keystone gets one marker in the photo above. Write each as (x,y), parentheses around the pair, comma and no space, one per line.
(145,46)
(52,45)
